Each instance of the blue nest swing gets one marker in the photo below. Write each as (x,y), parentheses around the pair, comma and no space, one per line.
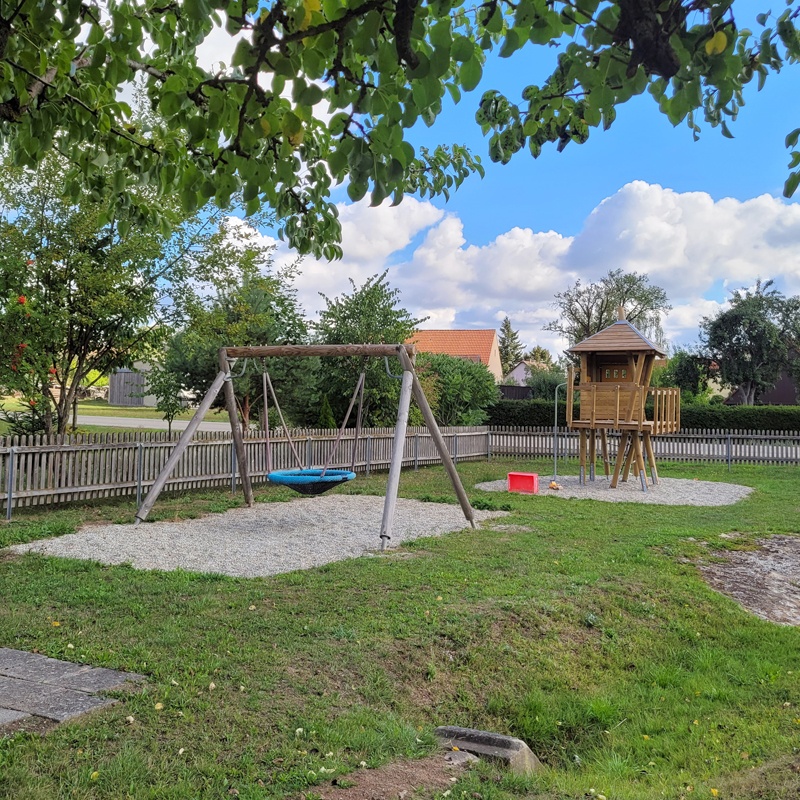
(310,481)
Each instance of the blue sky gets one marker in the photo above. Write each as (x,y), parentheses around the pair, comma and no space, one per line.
(700,218)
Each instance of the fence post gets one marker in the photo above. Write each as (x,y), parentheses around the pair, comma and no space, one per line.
(729,452)
(10,487)
(369,453)
(139,469)
(488,445)
(416,452)
(308,451)
(233,467)
(455,448)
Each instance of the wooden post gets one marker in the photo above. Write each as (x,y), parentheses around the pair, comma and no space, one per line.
(604,450)
(628,459)
(651,457)
(236,431)
(436,435)
(623,441)
(582,436)
(180,447)
(637,447)
(396,464)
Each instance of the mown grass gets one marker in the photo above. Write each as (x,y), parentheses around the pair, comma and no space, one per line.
(580,626)
(101,408)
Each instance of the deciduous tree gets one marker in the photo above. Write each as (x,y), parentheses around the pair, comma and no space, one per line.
(313,93)
(587,308)
(753,340)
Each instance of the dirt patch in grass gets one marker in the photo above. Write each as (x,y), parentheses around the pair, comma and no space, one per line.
(764,580)
(776,780)
(409,780)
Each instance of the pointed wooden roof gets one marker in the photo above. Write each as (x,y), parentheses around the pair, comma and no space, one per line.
(617,338)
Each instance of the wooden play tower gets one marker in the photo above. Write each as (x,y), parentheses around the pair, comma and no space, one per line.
(614,384)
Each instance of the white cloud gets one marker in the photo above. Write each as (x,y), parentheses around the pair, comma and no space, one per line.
(688,243)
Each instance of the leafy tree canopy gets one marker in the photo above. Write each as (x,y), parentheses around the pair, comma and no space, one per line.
(541,355)
(585,309)
(317,92)
(463,390)
(510,347)
(371,314)
(753,340)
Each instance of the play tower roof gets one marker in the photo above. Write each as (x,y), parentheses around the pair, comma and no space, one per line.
(619,337)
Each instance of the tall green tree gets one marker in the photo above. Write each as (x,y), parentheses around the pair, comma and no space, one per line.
(80,297)
(313,93)
(463,390)
(248,305)
(511,348)
(753,340)
(688,371)
(541,355)
(586,308)
(370,314)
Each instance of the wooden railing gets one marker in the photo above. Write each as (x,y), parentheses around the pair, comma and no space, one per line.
(615,405)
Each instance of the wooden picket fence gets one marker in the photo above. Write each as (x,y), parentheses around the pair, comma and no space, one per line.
(36,471)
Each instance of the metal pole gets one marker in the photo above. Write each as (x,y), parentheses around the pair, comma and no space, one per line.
(555,431)
(308,451)
(139,470)
(729,452)
(233,467)
(455,448)
(10,487)
(369,453)
(488,446)
(416,452)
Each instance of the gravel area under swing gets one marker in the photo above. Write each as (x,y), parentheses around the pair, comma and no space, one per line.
(268,539)
(669,492)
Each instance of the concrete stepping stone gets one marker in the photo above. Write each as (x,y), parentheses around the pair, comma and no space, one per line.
(34,685)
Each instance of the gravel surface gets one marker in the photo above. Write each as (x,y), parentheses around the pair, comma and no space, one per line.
(669,492)
(764,581)
(268,539)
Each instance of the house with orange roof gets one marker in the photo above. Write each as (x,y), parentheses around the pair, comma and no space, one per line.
(480,346)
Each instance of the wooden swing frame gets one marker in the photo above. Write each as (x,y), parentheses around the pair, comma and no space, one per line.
(410,384)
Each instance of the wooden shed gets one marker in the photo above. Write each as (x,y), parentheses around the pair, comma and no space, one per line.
(616,366)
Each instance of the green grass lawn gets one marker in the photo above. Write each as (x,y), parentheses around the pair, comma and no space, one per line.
(584,629)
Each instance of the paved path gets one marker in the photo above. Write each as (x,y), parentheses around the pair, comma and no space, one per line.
(148,424)
(32,685)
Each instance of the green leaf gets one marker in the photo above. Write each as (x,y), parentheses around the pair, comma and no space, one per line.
(510,45)
(311,95)
(791,139)
(791,184)
(470,74)
(463,49)
(356,191)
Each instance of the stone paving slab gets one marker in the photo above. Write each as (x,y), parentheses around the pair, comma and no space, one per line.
(7,715)
(33,684)
(51,702)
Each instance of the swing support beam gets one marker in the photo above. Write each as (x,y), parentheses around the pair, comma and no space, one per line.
(411,384)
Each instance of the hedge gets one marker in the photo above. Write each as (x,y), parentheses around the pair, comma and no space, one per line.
(530,413)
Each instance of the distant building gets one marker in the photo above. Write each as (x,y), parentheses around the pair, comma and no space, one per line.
(480,346)
(785,393)
(522,370)
(125,387)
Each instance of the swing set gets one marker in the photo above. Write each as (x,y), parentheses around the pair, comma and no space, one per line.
(316,481)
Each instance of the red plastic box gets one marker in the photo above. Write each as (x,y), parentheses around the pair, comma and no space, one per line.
(523,482)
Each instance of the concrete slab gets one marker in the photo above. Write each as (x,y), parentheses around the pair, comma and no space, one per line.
(512,752)
(8,715)
(99,679)
(41,669)
(51,702)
